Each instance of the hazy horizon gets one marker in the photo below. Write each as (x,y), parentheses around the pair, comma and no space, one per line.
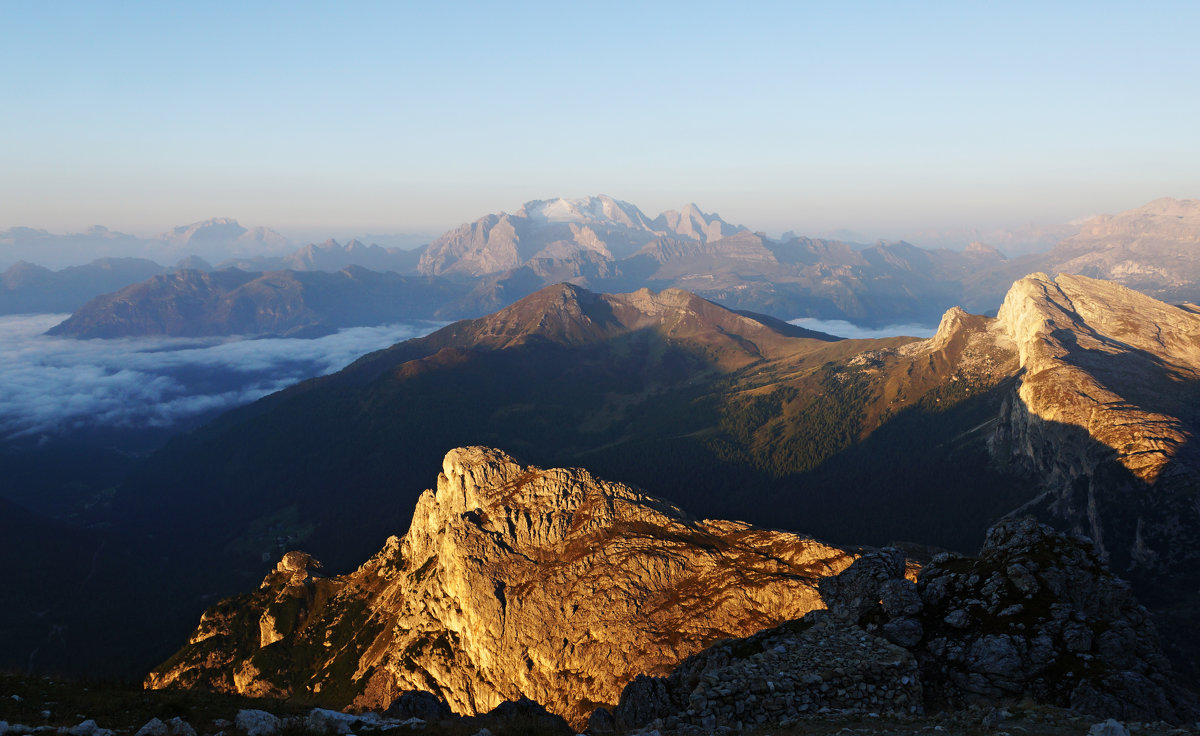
(373,117)
(302,234)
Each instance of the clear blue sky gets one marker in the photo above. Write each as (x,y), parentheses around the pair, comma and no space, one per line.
(875,116)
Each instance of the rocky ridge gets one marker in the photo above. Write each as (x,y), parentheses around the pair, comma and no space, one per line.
(1105,416)
(1036,617)
(812,667)
(498,556)
(1083,342)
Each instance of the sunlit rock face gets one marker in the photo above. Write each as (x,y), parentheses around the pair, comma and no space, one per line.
(511,581)
(1106,414)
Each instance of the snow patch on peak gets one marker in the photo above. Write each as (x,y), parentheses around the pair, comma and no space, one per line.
(600,209)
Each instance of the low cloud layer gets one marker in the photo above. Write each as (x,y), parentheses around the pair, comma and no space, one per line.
(52,386)
(842,328)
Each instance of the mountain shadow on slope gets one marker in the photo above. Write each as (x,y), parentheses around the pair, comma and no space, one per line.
(729,416)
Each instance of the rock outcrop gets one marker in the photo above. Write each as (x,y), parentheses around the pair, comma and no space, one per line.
(1036,617)
(1106,415)
(511,581)
(814,666)
(1038,614)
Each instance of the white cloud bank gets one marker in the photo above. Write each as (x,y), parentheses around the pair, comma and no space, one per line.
(53,385)
(842,328)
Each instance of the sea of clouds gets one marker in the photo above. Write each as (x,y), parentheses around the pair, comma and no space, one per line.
(55,385)
(842,328)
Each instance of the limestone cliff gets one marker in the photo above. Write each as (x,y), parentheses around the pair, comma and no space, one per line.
(511,581)
(1105,415)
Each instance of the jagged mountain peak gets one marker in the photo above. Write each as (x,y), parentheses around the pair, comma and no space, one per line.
(560,229)
(563,313)
(568,314)
(492,483)
(496,557)
(693,223)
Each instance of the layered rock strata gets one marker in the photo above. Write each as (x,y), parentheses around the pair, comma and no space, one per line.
(511,581)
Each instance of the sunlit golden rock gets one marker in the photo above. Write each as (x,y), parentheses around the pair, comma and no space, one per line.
(511,581)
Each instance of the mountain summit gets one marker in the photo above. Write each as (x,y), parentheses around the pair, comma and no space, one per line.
(562,229)
(511,581)
(220,235)
(1106,417)
(601,209)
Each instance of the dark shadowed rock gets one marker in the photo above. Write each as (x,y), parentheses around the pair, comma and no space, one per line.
(418,704)
(1037,616)
(527,716)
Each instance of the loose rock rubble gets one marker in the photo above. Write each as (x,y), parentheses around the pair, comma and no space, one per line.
(1037,617)
(814,666)
(1038,614)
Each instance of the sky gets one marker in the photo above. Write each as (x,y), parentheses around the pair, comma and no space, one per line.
(879,117)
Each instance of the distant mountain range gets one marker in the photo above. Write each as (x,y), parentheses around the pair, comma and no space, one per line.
(561,229)
(608,245)
(1154,249)
(26,287)
(216,240)
(1012,242)
(192,303)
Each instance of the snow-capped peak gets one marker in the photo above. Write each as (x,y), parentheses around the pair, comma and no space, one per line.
(600,209)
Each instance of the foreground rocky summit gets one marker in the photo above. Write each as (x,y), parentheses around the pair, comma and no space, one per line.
(511,581)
